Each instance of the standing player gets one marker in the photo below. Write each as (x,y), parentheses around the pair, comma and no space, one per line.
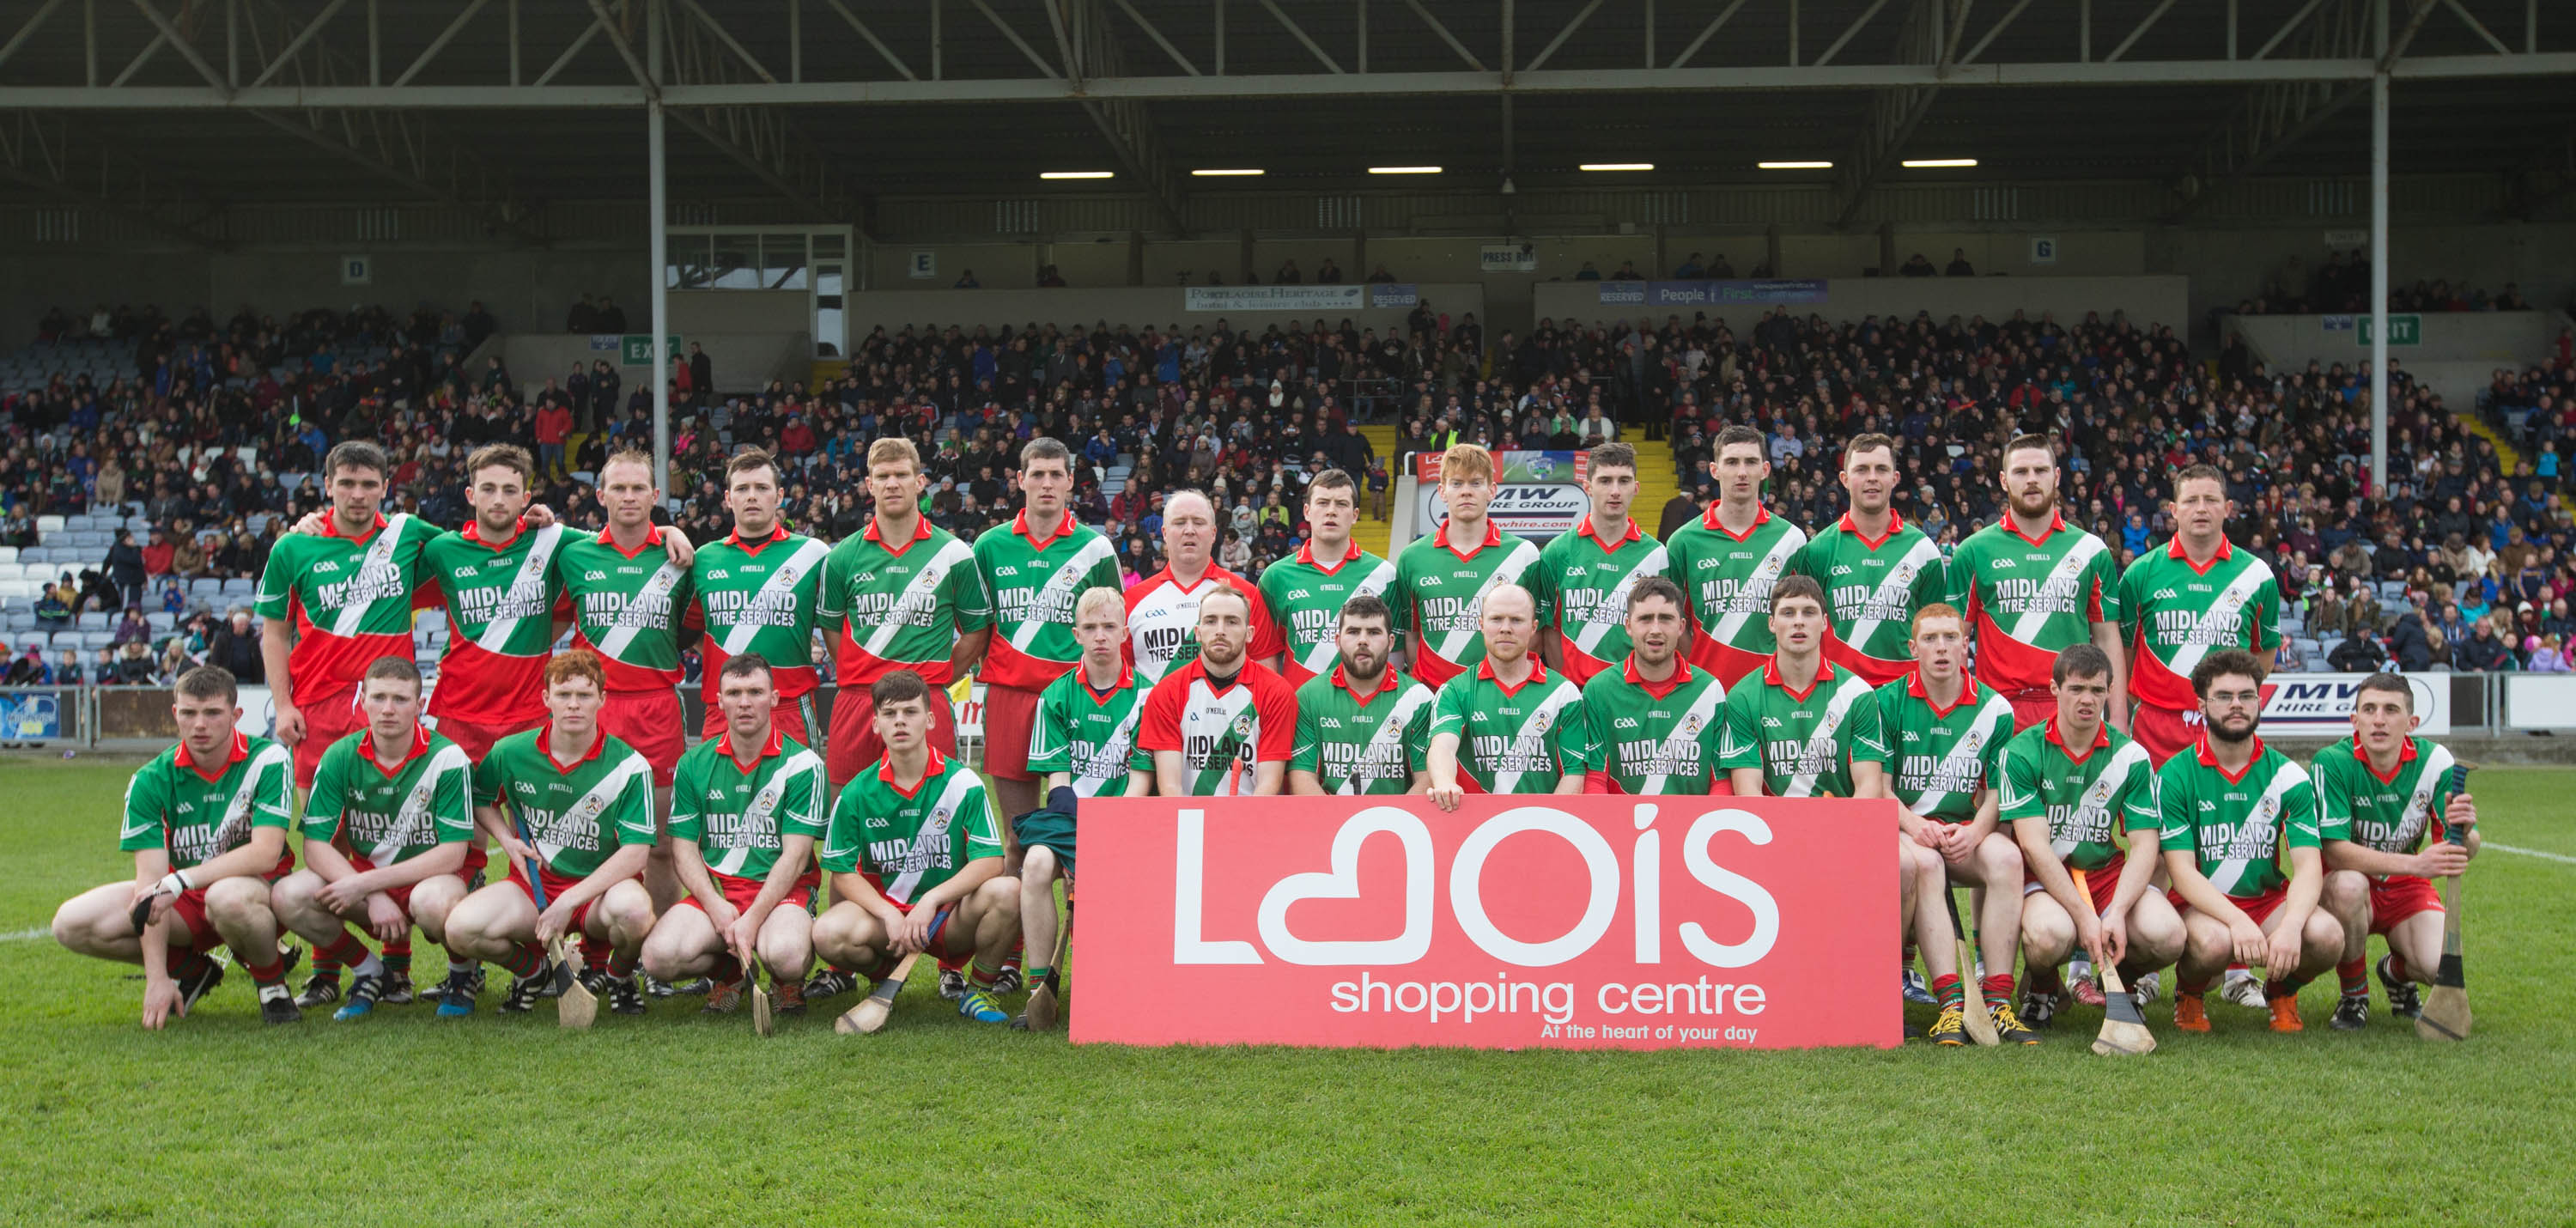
(1510,726)
(2240,839)
(388,838)
(1877,570)
(2386,806)
(2031,584)
(1441,581)
(206,821)
(915,858)
(2070,785)
(745,815)
(500,587)
(903,594)
(1163,608)
(1305,592)
(1083,742)
(585,803)
(1221,724)
(1730,558)
(1585,577)
(1363,728)
(2196,596)
(1655,724)
(759,590)
(1035,571)
(1943,733)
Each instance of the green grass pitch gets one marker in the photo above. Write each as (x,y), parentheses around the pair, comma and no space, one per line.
(679,1119)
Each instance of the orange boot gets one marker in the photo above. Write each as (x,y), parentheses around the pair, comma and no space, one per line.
(2189,1015)
(2285,1013)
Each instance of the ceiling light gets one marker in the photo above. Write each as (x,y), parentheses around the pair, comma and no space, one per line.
(1618,166)
(1404,170)
(1925,163)
(1076,174)
(1210,174)
(1795,166)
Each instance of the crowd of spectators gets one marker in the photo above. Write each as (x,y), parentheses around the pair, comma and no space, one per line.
(2341,286)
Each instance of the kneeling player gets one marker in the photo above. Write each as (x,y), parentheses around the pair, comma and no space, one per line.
(2067,785)
(916,860)
(388,838)
(206,821)
(1082,743)
(2240,839)
(574,807)
(1508,725)
(1655,724)
(752,800)
(2380,794)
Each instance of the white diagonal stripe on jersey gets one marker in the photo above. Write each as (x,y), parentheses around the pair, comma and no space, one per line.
(1766,571)
(1617,599)
(1803,784)
(1696,719)
(1123,740)
(235,829)
(2061,578)
(449,758)
(595,800)
(380,554)
(1319,655)
(771,593)
(1541,718)
(943,814)
(921,594)
(658,585)
(1407,702)
(2415,819)
(2097,797)
(1895,584)
(2288,777)
(1092,553)
(530,580)
(2220,616)
(1235,701)
(1517,557)
(1995,710)
(762,804)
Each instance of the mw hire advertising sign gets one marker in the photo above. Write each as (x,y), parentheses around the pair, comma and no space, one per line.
(1574,922)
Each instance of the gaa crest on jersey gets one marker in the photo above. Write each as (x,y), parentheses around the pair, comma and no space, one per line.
(1243,725)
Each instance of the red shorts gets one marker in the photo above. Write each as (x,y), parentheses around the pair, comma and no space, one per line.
(1010,714)
(325,722)
(2398,897)
(855,744)
(476,738)
(740,892)
(2029,710)
(650,722)
(2163,732)
(475,860)
(2103,883)
(2259,908)
(555,885)
(190,909)
(789,718)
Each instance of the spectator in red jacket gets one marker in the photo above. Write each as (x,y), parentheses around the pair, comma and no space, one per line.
(156,557)
(554,425)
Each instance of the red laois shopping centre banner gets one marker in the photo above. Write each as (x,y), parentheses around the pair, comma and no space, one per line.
(1516,922)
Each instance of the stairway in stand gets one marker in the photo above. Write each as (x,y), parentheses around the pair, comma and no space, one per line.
(1656,481)
(1375,532)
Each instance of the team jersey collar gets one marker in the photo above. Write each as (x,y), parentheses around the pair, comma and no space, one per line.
(2056,524)
(1681,676)
(1020,525)
(2209,758)
(1493,537)
(2405,755)
(1761,517)
(240,751)
(1306,555)
(2226,550)
(652,538)
(937,766)
(1385,683)
(419,744)
(546,748)
(1895,525)
(331,527)
(1538,673)
(920,532)
(473,532)
(768,749)
(1583,527)
(2101,738)
(777,533)
(1771,676)
(1126,679)
(1914,687)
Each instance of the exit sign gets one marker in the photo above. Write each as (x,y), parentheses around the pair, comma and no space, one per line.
(2402,330)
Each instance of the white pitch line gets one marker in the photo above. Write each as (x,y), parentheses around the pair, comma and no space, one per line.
(25,935)
(2545,856)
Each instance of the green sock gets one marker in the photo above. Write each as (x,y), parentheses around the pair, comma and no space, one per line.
(1038,975)
(398,965)
(981,977)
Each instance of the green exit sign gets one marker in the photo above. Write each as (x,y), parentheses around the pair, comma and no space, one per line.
(2402,330)
(636,349)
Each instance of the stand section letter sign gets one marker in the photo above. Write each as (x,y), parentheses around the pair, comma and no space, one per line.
(1561,922)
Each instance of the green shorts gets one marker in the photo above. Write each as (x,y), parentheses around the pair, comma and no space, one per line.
(1051,828)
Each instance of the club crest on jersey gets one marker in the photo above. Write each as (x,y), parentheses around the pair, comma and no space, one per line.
(1690,724)
(1243,726)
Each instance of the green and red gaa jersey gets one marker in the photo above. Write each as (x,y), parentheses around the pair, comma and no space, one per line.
(2392,813)
(1163,622)
(1305,596)
(1804,741)
(1872,589)
(1223,733)
(2240,828)
(762,596)
(741,816)
(1654,737)
(1034,583)
(2086,797)
(1727,579)
(2173,614)
(577,814)
(381,816)
(1439,592)
(625,607)
(350,597)
(200,811)
(902,605)
(1089,735)
(906,842)
(501,599)
(1939,757)
(1582,584)
(2028,598)
(1362,744)
(1513,739)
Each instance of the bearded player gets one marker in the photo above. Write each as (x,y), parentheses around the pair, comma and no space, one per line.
(1221,724)
(1306,591)
(1441,581)
(759,590)
(2031,584)
(1656,725)
(1510,726)
(388,838)
(1585,576)
(206,821)
(2386,815)
(746,813)
(2241,841)
(1728,560)
(1035,571)
(1084,743)
(2196,596)
(1363,728)
(1878,572)
(2074,789)
(1163,608)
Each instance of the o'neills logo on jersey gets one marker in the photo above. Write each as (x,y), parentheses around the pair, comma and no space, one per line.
(572,833)
(1035,605)
(2022,596)
(372,583)
(740,831)
(736,608)
(613,609)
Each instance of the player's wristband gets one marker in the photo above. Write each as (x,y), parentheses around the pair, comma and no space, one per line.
(173,883)
(1061,798)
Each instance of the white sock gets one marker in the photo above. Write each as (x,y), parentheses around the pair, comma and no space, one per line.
(2239,974)
(277,990)
(372,967)
(460,967)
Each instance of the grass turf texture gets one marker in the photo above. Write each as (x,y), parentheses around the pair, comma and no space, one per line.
(681,1119)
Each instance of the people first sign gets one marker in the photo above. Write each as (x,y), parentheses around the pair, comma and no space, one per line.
(1589,922)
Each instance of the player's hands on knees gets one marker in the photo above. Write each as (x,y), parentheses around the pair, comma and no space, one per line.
(1447,796)
(162,902)
(552,923)
(722,915)
(1955,846)
(743,937)
(339,898)
(2115,940)
(2089,934)
(161,1002)
(385,920)
(2246,939)
(2282,957)
(2441,859)
(910,932)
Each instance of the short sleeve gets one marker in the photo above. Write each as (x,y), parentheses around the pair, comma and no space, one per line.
(1050,739)
(1862,731)
(630,817)
(1572,736)
(2266,615)
(1305,751)
(1267,640)
(1449,708)
(2106,587)
(983,839)
(2001,709)
(488,781)
(272,788)
(840,853)
(2174,817)
(1160,727)
(451,801)
(2129,605)
(2334,797)
(1541,583)
(1417,736)
(2299,814)
(1741,745)
(1399,597)
(2016,778)
(688,788)
(966,593)
(276,585)
(1278,706)
(2138,800)
(330,794)
(800,802)
(145,799)
(829,608)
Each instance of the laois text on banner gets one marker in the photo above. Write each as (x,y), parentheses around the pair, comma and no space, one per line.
(1562,922)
